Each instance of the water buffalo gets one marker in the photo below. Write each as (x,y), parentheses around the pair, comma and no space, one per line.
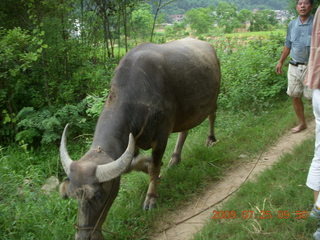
(156,90)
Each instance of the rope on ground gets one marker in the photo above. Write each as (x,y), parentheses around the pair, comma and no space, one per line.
(221,200)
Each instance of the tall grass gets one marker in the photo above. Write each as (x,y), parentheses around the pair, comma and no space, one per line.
(261,34)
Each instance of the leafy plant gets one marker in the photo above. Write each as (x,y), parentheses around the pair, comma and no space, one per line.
(95,104)
(200,20)
(45,126)
(249,81)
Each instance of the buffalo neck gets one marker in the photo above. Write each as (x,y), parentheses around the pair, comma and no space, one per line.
(112,132)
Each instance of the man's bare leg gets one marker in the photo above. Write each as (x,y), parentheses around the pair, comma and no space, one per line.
(299,110)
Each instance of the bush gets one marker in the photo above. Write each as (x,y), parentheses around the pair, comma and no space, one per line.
(46,125)
(249,81)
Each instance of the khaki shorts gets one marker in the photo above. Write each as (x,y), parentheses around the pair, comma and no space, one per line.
(296,88)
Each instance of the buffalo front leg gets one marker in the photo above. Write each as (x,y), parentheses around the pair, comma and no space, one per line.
(211,140)
(154,172)
(176,156)
(140,163)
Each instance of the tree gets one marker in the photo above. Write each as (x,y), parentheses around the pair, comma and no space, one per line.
(141,21)
(19,51)
(200,19)
(227,17)
(245,16)
(263,20)
(159,5)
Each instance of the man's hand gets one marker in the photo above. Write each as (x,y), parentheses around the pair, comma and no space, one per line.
(285,53)
(279,68)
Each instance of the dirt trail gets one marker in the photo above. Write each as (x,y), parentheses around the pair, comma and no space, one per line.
(185,222)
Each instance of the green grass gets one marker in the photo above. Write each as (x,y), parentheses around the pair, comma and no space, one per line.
(262,34)
(278,190)
(26,213)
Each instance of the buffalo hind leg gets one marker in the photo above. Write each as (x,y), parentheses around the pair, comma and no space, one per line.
(211,140)
(176,156)
(154,172)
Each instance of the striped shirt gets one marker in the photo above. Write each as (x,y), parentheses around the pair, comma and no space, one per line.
(313,74)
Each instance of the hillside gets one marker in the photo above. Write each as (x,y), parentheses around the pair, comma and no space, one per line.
(181,6)
(261,4)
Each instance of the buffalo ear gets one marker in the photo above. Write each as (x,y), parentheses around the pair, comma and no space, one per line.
(63,189)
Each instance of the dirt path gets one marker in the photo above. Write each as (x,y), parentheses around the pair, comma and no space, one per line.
(184,223)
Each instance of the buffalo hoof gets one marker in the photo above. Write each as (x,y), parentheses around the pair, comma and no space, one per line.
(175,159)
(149,203)
(211,140)
(88,234)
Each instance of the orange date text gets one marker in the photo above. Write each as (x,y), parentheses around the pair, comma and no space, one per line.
(262,214)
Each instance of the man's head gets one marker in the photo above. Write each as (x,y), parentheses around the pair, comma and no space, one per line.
(304,7)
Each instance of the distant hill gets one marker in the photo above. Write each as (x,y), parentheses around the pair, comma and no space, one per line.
(261,4)
(181,6)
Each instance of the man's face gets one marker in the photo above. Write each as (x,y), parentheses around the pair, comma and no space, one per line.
(304,7)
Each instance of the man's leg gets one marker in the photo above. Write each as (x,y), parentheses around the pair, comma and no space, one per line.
(299,110)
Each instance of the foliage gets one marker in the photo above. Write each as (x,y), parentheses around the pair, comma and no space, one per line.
(57,53)
(7,126)
(95,104)
(200,20)
(182,6)
(177,30)
(13,14)
(227,17)
(263,20)
(244,16)
(56,61)
(141,21)
(19,50)
(261,4)
(45,126)
(249,81)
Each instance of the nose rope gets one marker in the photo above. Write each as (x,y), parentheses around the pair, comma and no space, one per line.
(95,228)
(92,228)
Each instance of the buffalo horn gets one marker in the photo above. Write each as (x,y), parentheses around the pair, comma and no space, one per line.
(64,156)
(114,169)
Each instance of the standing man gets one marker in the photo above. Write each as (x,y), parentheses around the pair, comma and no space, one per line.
(297,45)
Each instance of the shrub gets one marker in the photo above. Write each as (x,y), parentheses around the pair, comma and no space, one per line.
(249,81)
(95,104)
(45,126)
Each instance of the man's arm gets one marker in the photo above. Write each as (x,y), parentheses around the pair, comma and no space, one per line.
(285,53)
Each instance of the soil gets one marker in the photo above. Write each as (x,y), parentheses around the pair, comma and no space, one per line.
(182,224)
